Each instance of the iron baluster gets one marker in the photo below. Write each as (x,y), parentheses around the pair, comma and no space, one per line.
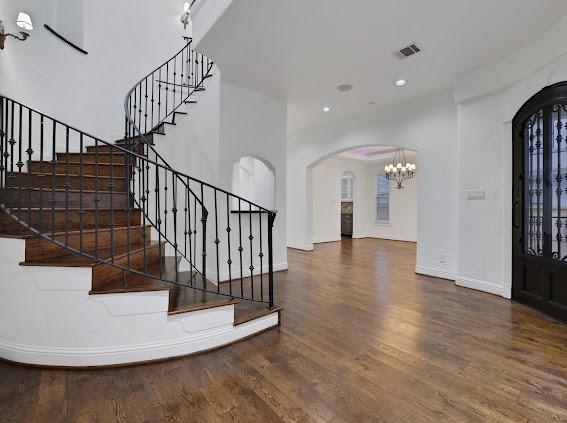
(251,238)
(81,187)
(271,218)
(229,261)
(53,172)
(240,249)
(204,215)
(217,241)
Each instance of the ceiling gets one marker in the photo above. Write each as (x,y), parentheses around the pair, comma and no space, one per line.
(300,51)
(374,154)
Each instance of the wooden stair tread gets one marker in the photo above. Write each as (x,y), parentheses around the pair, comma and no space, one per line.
(247,312)
(71,209)
(70,191)
(184,299)
(140,283)
(76,260)
(87,231)
(50,163)
(204,305)
(49,175)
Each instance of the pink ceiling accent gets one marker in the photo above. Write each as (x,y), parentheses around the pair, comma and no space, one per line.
(371,151)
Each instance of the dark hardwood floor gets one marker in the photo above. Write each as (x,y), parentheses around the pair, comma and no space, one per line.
(363,339)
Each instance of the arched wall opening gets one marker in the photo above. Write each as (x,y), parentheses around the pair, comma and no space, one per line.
(254,179)
(373,208)
(426,125)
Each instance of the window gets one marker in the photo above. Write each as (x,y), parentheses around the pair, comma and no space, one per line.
(382,198)
(347,187)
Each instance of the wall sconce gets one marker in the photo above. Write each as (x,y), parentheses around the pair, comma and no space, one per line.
(186,17)
(23,21)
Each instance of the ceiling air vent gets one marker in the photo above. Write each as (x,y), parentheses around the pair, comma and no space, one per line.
(406,52)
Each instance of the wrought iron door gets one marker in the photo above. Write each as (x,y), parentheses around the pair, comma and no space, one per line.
(540,202)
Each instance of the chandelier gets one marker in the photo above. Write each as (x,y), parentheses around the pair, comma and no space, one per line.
(400,169)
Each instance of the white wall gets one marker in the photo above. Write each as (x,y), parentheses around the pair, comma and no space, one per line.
(254,125)
(125,41)
(403,207)
(427,125)
(327,199)
(488,100)
(254,181)
(226,124)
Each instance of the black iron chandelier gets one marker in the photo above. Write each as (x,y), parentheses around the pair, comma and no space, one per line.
(400,169)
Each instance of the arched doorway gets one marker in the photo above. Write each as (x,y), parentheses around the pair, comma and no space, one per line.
(351,197)
(539,244)
(254,180)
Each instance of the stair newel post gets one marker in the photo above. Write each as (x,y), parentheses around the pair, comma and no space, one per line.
(204,216)
(271,218)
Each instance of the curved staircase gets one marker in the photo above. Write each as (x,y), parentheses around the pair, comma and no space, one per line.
(178,265)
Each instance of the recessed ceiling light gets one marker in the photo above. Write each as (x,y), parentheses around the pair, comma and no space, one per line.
(326,109)
(401,82)
(345,87)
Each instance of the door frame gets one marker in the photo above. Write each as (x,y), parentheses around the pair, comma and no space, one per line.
(546,98)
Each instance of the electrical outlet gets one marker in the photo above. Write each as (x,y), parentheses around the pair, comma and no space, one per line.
(441,258)
(475,195)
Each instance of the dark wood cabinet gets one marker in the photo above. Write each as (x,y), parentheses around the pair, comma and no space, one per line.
(346,218)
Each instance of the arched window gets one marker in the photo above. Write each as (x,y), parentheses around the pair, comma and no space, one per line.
(254,180)
(347,186)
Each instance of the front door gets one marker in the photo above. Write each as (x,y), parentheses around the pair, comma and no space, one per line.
(540,202)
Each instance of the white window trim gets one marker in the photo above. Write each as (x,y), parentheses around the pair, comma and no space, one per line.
(384,223)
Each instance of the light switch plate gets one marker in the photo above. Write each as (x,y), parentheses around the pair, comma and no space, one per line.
(475,195)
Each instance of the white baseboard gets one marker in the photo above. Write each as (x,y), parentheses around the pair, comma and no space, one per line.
(436,273)
(327,239)
(104,356)
(485,286)
(304,247)
(466,282)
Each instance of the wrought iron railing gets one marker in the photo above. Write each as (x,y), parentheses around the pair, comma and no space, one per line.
(105,202)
